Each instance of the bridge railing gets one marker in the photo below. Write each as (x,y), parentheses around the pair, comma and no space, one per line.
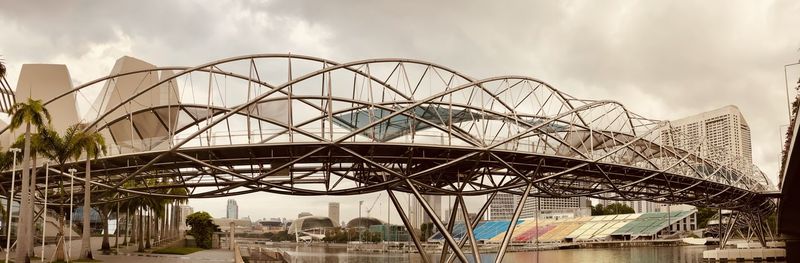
(670,162)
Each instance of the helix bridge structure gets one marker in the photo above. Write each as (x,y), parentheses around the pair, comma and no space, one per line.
(300,125)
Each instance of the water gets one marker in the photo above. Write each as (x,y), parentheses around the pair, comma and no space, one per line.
(682,254)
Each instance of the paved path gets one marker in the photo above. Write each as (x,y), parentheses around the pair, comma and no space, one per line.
(209,256)
(128,254)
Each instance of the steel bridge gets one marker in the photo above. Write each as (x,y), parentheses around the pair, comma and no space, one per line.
(300,125)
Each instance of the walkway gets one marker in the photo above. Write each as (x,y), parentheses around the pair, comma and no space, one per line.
(130,256)
(214,255)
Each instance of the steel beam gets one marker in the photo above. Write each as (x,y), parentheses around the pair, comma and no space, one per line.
(438,223)
(450,224)
(513,224)
(475,222)
(470,231)
(411,233)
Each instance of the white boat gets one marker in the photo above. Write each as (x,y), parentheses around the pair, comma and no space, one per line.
(694,241)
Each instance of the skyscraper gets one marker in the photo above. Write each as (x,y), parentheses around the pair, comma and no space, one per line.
(724,134)
(233,209)
(503,205)
(418,216)
(721,134)
(185,211)
(333,212)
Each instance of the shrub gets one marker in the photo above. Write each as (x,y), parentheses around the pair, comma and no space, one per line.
(202,228)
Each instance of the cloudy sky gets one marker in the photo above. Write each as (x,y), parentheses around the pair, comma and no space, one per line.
(662,59)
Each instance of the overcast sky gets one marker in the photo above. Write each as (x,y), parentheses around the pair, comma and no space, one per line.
(662,59)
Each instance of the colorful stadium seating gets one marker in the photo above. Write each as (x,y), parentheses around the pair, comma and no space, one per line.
(593,228)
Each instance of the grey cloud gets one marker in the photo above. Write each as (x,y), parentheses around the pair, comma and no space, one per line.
(664,59)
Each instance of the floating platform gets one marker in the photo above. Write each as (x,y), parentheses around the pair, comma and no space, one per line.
(770,244)
(752,254)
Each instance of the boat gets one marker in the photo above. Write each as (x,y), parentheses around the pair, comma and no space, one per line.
(694,241)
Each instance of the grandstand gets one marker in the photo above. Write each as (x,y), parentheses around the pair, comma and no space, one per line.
(459,230)
(532,234)
(600,227)
(522,230)
(583,229)
(562,229)
(648,225)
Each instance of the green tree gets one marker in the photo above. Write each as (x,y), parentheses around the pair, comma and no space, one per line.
(30,113)
(427,230)
(2,69)
(202,228)
(61,148)
(618,208)
(92,144)
(598,210)
(37,147)
(6,159)
(703,215)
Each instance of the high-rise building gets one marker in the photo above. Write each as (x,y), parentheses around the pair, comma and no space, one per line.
(233,209)
(721,134)
(503,205)
(724,133)
(418,216)
(333,212)
(184,211)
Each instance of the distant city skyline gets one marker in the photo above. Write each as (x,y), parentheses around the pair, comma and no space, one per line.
(232,210)
(333,212)
(637,55)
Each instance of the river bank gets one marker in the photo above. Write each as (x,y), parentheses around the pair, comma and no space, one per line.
(401,247)
(656,254)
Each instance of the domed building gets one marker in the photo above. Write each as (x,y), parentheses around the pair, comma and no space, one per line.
(307,223)
(364,222)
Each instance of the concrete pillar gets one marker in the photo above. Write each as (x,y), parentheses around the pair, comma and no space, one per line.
(231,233)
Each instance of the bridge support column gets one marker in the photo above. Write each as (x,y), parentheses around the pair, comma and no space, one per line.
(759,228)
(410,228)
(513,224)
(474,224)
(450,223)
(438,223)
(730,227)
(470,230)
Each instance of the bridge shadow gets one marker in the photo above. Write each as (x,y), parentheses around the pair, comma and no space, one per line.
(788,208)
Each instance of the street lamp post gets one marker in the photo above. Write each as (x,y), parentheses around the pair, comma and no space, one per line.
(359,218)
(44,210)
(11,199)
(71,195)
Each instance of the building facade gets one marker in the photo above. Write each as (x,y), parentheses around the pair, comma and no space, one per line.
(418,216)
(184,211)
(233,209)
(639,206)
(720,134)
(723,134)
(333,212)
(304,214)
(503,205)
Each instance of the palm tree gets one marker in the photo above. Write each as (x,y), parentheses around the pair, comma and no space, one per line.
(37,146)
(176,205)
(61,148)
(30,113)
(143,203)
(2,69)
(105,211)
(6,159)
(93,145)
